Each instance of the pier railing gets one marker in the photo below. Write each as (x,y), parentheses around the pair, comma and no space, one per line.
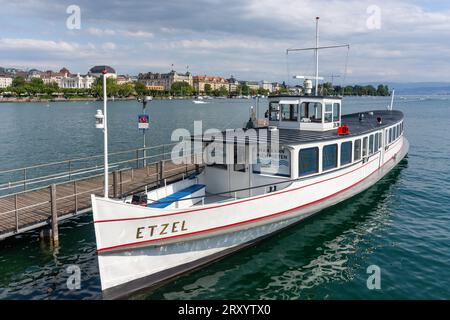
(49,197)
(41,175)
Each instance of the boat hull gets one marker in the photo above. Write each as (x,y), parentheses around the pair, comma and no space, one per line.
(127,266)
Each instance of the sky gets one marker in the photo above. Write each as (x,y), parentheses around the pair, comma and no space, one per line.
(397,40)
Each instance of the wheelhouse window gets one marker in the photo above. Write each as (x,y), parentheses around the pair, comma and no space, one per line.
(371,139)
(328,112)
(329,157)
(346,153)
(336,111)
(364,150)
(308,161)
(289,112)
(357,151)
(274,111)
(311,112)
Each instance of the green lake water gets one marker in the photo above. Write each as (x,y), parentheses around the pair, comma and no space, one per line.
(402,224)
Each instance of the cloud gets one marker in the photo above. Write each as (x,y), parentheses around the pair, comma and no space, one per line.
(109,46)
(125,33)
(244,38)
(35,44)
(101,32)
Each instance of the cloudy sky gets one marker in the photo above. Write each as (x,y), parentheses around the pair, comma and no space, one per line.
(394,40)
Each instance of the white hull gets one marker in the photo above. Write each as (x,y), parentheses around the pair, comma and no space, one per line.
(139,246)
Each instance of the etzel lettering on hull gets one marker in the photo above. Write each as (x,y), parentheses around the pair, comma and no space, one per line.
(161,229)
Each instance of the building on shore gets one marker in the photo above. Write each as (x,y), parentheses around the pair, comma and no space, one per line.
(233,84)
(214,82)
(65,80)
(266,85)
(165,80)
(5,81)
(252,85)
(97,71)
(122,79)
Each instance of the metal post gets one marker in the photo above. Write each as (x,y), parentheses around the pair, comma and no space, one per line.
(55,234)
(105,137)
(137,158)
(161,170)
(317,56)
(24,179)
(157,180)
(75,192)
(115,182)
(144,152)
(121,184)
(16,212)
(70,169)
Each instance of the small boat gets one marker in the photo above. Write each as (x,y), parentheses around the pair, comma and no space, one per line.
(199,101)
(254,183)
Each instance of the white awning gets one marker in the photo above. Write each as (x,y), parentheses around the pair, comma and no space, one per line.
(289,102)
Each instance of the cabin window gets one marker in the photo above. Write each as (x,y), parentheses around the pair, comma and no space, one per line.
(329,157)
(375,149)
(328,112)
(239,157)
(274,111)
(336,112)
(380,140)
(386,133)
(371,144)
(308,161)
(390,135)
(311,112)
(346,153)
(357,150)
(216,155)
(364,150)
(289,112)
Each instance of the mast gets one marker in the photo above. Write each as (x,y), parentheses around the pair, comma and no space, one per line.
(105,136)
(317,56)
(316,51)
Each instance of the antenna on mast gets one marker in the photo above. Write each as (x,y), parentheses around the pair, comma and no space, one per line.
(316,49)
(317,57)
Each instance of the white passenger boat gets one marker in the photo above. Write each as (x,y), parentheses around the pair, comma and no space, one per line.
(314,158)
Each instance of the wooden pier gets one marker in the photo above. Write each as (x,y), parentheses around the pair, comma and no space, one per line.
(46,206)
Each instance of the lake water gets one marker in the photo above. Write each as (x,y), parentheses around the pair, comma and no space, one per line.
(402,224)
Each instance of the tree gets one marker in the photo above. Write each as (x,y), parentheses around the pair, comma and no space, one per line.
(125,89)
(18,81)
(243,89)
(222,91)
(208,89)
(182,88)
(111,87)
(140,88)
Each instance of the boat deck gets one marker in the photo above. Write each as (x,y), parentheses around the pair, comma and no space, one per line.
(298,137)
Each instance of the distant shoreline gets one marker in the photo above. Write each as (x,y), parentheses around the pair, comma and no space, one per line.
(29,99)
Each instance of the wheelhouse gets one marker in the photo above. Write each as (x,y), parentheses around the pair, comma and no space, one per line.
(305,112)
